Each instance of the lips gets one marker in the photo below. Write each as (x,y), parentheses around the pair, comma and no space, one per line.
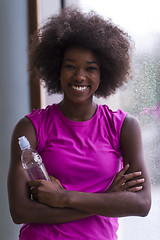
(80,88)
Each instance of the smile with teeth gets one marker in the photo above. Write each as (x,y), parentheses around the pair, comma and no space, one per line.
(82,88)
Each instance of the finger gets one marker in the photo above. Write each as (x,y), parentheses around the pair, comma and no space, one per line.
(129,179)
(135,189)
(55,179)
(52,178)
(121,173)
(124,170)
(133,175)
(33,191)
(35,197)
(59,183)
(34,183)
(134,183)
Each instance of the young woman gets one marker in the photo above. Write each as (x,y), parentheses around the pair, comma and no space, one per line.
(94,155)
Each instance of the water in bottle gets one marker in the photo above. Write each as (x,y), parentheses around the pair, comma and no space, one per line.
(32,161)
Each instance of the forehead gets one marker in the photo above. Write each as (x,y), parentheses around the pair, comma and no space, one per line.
(80,53)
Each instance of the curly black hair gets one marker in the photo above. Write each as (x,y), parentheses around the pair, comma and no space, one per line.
(71,27)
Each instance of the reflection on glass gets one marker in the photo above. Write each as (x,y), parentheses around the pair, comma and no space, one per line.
(140,96)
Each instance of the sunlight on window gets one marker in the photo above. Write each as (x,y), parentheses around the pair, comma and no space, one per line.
(135,16)
(140,97)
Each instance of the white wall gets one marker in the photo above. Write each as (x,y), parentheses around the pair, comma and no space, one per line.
(14,97)
(14,92)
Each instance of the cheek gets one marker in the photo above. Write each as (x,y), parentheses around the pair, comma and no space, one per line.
(97,80)
(64,75)
(63,78)
(97,76)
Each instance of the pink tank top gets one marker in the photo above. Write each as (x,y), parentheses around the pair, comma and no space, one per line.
(84,156)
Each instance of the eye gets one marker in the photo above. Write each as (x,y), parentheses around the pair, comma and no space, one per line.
(69,66)
(92,68)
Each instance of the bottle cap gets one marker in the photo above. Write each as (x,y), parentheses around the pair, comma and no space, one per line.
(24,143)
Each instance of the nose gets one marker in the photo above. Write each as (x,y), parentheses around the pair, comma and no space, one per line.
(80,75)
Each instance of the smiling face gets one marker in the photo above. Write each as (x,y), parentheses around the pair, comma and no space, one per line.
(80,74)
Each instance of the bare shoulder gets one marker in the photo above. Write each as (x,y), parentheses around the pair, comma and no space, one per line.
(18,193)
(130,122)
(131,141)
(16,172)
(133,153)
(130,128)
(24,127)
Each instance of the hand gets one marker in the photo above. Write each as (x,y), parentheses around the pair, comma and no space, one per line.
(126,182)
(46,192)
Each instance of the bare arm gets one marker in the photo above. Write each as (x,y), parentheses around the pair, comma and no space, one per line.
(22,208)
(110,204)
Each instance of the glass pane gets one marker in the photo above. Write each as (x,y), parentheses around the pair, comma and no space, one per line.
(140,97)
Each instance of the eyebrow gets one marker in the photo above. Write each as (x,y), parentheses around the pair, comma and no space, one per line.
(89,62)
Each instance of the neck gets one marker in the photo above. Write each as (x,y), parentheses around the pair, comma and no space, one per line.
(78,111)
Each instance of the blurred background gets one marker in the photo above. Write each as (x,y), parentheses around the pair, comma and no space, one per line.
(140,97)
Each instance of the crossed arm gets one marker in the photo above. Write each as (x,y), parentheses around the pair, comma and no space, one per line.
(128,195)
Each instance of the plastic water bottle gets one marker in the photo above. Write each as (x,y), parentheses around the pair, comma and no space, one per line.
(32,161)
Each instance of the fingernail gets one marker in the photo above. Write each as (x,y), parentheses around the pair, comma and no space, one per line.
(141,180)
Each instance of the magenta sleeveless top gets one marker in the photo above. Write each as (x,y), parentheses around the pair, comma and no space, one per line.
(83,156)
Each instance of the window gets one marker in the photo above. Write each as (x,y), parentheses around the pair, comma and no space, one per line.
(140,97)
